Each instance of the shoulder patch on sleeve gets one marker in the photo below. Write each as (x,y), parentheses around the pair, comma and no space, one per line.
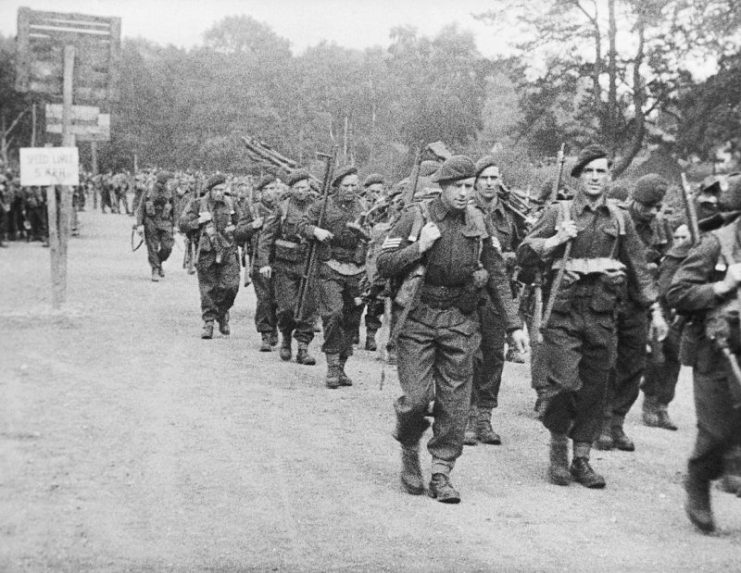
(391,243)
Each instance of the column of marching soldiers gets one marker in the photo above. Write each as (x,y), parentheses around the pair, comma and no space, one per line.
(460,267)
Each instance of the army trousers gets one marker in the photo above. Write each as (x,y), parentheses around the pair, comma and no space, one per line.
(489,362)
(435,362)
(662,373)
(625,377)
(265,307)
(576,356)
(718,422)
(159,243)
(218,284)
(287,286)
(337,298)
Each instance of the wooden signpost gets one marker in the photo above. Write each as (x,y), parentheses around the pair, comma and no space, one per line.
(75,56)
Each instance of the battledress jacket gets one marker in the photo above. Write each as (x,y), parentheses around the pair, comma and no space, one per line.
(598,229)
(452,259)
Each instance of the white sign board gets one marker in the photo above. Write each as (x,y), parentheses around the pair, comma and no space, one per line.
(50,166)
(88,124)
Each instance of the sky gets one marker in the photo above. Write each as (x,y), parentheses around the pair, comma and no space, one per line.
(349,23)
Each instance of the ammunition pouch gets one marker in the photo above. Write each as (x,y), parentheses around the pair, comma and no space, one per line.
(722,326)
(167,211)
(149,208)
(290,252)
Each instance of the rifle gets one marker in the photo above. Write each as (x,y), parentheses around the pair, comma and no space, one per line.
(689,209)
(408,195)
(307,278)
(249,268)
(540,322)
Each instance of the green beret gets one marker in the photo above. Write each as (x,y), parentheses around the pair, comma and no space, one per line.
(296,176)
(342,173)
(711,184)
(454,169)
(730,196)
(428,168)
(650,189)
(265,181)
(214,180)
(618,191)
(587,155)
(484,162)
(373,179)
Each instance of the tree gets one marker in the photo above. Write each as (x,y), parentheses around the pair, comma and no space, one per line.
(620,61)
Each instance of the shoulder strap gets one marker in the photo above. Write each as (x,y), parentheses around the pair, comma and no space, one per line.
(617,213)
(421,216)
(727,238)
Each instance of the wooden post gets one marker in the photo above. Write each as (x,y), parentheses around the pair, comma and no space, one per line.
(33,124)
(60,214)
(94,154)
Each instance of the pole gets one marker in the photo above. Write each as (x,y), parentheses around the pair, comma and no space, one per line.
(94,155)
(60,214)
(33,124)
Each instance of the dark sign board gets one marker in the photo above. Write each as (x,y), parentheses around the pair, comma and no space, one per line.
(41,39)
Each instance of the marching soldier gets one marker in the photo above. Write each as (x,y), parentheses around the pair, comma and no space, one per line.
(214,218)
(439,336)
(632,320)
(579,341)
(248,233)
(342,264)
(154,221)
(489,363)
(706,287)
(281,256)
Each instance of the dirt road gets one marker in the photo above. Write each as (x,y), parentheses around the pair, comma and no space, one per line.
(129,444)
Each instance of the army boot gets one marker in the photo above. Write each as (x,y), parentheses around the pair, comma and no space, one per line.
(605,441)
(274,338)
(208,330)
(265,345)
(619,438)
(285,347)
(370,340)
(662,418)
(697,504)
(303,356)
(334,370)
(484,431)
(411,472)
(224,324)
(161,272)
(471,438)
(442,489)
(558,471)
(155,276)
(345,380)
(649,413)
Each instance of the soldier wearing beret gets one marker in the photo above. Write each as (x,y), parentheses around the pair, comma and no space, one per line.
(705,287)
(248,232)
(579,341)
(374,185)
(341,253)
(281,256)
(155,222)
(440,335)
(633,320)
(214,218)
(489,363)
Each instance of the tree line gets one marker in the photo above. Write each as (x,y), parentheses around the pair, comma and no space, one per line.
(619,72)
